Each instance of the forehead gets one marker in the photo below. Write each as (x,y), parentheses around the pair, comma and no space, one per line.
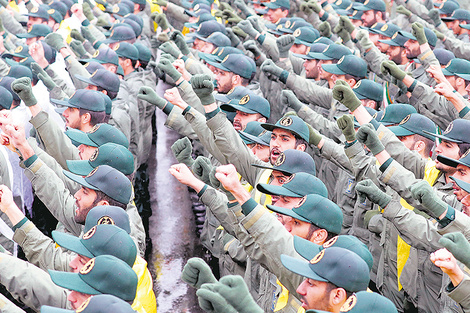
(282,132)
(461,167)
(279,174)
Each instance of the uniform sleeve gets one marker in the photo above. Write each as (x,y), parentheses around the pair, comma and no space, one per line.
(75,68)
(363,166)
(137,227)
(6,306)
(374,59)
(309,92)
(319,122)
(176,12)
(461,294)
(10,23)
(335,153)
(418,9)
(458,47)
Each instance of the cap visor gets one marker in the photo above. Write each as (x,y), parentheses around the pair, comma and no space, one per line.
(109,40)
(359,96)
(447,72)
(361,7)
(79,167)
(271,5)
(80,137)
(191,25)
(442,137)
(254,139)
(389,42)
(209,57)
(271,127)
(79,179)
(448,18)
(305,248)
(400,131)
(62,102)
(222,98)
(300,267)
(287,212)
(303,56)
(332,68)
(72,281)
(25,35)
(51,309)
(448,161)
(219,66)
(466,26)
(85,79)
(319,56)
(234,107)
(407,35)
(464,185)
(301,42)
(60,111)
(71,243)
(261,11)
(276,190)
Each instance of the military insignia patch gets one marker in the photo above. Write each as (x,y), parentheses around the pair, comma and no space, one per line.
(89,233)
(244,100)
(280,159)
(449,128)
(225,59)
(357,84)
(287,24)
(83,306)
(105,220)
(349,304)
(366,2)
(339,2)
(318,257)
(34,10)
(97,52)
(116,9)
(92,172)
(19,49)
(395,35)
(373,26)
(384,27)
(95,128)
(302,201)
(325,49)
(94,155)
(297,32)
(286,121)
(51,11)
(330,242)
(87,267)
(465,154)
(289,179)
(116,47)
(406,119)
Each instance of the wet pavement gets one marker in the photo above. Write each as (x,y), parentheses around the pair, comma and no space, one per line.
(172,228)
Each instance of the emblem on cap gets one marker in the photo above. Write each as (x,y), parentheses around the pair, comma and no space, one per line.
(94,155)
(341,60)
(89,233)
(116,47)
(441,5)
(30,28)
(324,50)
(262,133)
(92,172)
(449,128)
(196,7)
(375,115)
(465,154)
(289,179)
(280,159)
(297,32)
(395,35)
(94,73)
(287,23)
(354,13)
(34,10)
(105,220)
(225,59)
(405,119)
(366,2)
(339,2)
(83,306)
(95,128)
(87,267)
(51,11)
(349,304)
(97,52)
(215,51)
(302,201)
(357,84)
(448,63)
(286,121)
(384,27)
(244,100)
(374,25)
(308,50)
(19,49)
(330,242)
(318,257)
(115,9)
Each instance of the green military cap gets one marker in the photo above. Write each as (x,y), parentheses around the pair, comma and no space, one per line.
(377,5)
(249,104)
(341,5)
(368,89)
(324,40)
(356,15)
(104,274)
(59,6)
(317,210)
(136,18)
(98,136)
(205,16)
(290,25)
(139,1)
(388,29)
(348,64)
(253,132)
(145,55)
(217,39)
(297,185)
(415,123)
(395,113)
(126,50)
(219,53)
(371,302)
(100,240)
(396,40)
(200,9)
(111,154)
(37,30)
(18,71)
(103,55)
(308,249)
(102,78)
(120,70)
(458,14)
(6,98)
(106,179)
(5,82)
(444,56)
(121,33)
(463,160)
(447,7)
(92,66)
(276,4)
(332,52)
(314,48)
(430,36)
(292,161)
(108,104)
(119,9)
(294,124)
(374,28)
(235,93)
(462,184)
(192,4)
(39,11)
(22,51)
(55,15)
(305,35)
(238,64)
(457,131)
(84,99)
(457,67)
(339,266)
(25,62)
(107,215)
(206,28)
(132,25)
(95,304)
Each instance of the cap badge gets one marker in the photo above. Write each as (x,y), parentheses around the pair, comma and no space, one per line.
(357,84)
(286,121)
(225,59)
(105,220)
(448,63)
(308,50)
(95,128)
(83,306)
(97,52)
(302,201)
(465,154)
(199,28)
(324,50)
(395,35)
(341,60)
(339,2)
(405,119)
(441,6)
(30,28)
(366,2)
(280,159)
(94,73)
(94,155)
(262,133)
(86,64)
(19,49)
(318,257)
(330,242)
(375,116)
(87,267)
(287,23)
(279,26)
(244,100)
(449,128)
(384,27)
(220,52)
(23,60)
(297,32)
(89,233)
(374,25)
(34,10)
(349,304)
(196,7)
(51,11)
(349,7)
(116,47)
(115,9)
(92,172)
(288,180)
(231,90)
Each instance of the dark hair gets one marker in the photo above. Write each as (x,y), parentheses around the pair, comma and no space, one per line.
(101,196)
(143,64)
(300,141)
(245,81)
(96,117)
(111,94)
(142,6)
(314,228)
(463,147)
(428,143)
(331,286)
(348,76)
(134,63)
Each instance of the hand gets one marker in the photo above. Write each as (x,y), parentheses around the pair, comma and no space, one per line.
(211,301)
(418,32)
(234,40)
(346,23)
(305,8)
(184,175)
(6,198)
(173,96)
(231,16)
(196,272)
(77,10)
(402,10)
(269,67)
(161,21)
(180,42)
(288,98)
(156,42)
(344,94)
(162,3)
(6,141)
(346,124)
(154,67)
(201,168)
(250,45)
(458,245)
(87,11)
(169,48)
(166,66)
(241,5)
(257,25)
(364,40)
(313,4)
(22,87)
(444,89)
(368,216)
(389,67)
(439,35)
(102,21)
(43,76)
(314,137)
(448,264)
(239,32)
(434,15)
(77,48)
(36,51)
(367,189)
(224,6)
(75,34)
(248,28)
(284,43)
(148,94)
(436,72)
(227,175)
(55,40)
(325,29)
(182,149)
(16,134)
(203,87)
(342,33)
(424,193)
(233,288)
(87,34)
(180,67)
(368,136)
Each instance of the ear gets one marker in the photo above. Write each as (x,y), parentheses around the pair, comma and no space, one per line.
(459,81)
(419,146)
(371,104)
(137,64)
(319,236)
(284,13)
(236,80)
(338,296)
(103,202)
(301,147)
(262,119)
(351,82)
(85,118)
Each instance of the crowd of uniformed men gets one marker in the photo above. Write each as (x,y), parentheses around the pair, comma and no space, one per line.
(332,160)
